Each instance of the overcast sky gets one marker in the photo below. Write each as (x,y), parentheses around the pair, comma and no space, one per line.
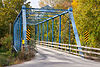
(34,3)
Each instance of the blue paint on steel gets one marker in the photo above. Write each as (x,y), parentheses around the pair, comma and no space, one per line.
(52,17)
(75,30)
(69,35)
(20,30)
(37,17)
(16,33)
(70,9)
(42,31)
(39,31)
(47,31)
(17,17)
(18,41)
(43,10)
(59,29)
(40,14)
(47,9)
(24,23)
(35,30)
(52,29)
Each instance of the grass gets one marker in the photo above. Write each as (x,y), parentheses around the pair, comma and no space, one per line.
(7,58)
(4,58)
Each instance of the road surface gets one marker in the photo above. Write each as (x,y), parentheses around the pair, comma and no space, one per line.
(48,57)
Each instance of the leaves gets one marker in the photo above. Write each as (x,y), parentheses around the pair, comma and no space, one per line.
(88,14)
(87,18)
(9,9)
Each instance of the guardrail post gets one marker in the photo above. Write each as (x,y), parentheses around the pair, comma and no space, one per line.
(75,29)
(24,24)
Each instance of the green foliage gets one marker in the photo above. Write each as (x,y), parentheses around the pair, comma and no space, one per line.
(9,9)
(6,41)
(5,55)
(3,61)
(87,18)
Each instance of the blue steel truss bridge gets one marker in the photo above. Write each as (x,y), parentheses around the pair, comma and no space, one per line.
(50,28)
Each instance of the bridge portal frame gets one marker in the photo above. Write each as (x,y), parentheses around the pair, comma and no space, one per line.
(20,26)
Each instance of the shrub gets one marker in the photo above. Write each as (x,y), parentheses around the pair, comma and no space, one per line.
(4,61)
(6,41)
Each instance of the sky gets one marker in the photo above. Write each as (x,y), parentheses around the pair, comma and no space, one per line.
(34,3)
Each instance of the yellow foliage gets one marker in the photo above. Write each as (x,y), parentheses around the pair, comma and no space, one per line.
(74,3)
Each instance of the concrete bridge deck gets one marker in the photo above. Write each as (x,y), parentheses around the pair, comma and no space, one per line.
(48,57)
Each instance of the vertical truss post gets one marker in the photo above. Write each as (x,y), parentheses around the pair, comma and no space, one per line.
(52,29)
(75,29)
(69,35)
(20,29)
(47,31)
(35,32)
(18,38)
(42,31)
(59,29)
(24,24)
(39,31)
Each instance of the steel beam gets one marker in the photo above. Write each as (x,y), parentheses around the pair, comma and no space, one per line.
(39,31)
(47,31)
(52,29)
(42,31)
(75,29)
(60,29)
(20,30)
(24,23)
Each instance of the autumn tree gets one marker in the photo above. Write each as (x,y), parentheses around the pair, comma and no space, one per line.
(87,18)
(86,15)
(9,9)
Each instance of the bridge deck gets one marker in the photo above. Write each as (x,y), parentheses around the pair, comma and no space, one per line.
(52,58)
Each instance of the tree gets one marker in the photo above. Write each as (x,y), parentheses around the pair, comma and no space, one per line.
(87,18)
(86,15)
(9,9)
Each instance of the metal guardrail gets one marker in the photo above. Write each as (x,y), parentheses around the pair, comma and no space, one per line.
(73,49)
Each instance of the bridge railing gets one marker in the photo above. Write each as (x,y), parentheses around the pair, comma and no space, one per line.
(88,52)
(17,29)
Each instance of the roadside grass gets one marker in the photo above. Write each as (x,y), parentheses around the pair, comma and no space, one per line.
(7,57)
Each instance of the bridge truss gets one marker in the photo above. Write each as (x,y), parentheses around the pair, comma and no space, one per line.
(42,21)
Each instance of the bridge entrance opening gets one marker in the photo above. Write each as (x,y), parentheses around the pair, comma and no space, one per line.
(45,26)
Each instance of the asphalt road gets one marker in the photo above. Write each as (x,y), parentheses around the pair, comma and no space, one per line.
(47,57)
